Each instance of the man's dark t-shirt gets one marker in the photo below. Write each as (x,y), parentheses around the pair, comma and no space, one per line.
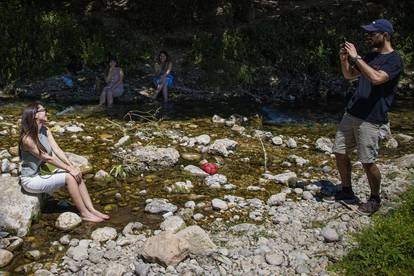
(372,102)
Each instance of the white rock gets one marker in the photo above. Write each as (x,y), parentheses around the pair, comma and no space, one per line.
(101,174)
(65,240)
(190,204)
(88,138)
(198,216)
(300,161)
(198,239)
(4,154)
(166,249)
(18,208)
(79,252)
(104,234)
(291,143)
(219,204)
(132,228)
(114,269)
(274,258)
(159,206)
(277,141)
(196,171)
(265,135)
(73,128)
(307,195)
(324,144)
(219,179)
(277,199)
(282,178)
(238,129)
(5,257)
(330,234)
(172,224)
(203,139)
(182,187)
(122,141)
(218,120)
(68,221)
(222,146)
(401,138)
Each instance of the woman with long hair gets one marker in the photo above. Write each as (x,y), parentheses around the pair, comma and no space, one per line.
(164,78)
(38,149)
(115,86)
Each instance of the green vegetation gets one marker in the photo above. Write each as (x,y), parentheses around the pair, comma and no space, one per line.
(232,46)
(388,247)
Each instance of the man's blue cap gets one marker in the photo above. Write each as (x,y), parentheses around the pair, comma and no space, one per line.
(379,25)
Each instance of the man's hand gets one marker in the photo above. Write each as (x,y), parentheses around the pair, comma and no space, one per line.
(350,48)
(343,54)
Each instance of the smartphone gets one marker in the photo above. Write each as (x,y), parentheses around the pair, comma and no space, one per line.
(344,40)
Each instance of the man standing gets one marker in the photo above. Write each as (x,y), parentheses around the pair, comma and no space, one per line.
(378,74)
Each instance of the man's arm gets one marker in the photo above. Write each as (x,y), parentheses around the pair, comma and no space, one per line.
(376,77)
(348,71)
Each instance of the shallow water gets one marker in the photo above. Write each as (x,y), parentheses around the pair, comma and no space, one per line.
(304,123)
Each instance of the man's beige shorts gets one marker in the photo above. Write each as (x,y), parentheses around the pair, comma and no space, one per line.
(356,133)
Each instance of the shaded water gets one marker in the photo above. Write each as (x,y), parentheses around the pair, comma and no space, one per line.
(304,123)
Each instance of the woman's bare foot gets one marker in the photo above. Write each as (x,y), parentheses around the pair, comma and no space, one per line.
(91,218)
(99,214)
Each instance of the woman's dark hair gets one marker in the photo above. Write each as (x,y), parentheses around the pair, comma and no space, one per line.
(29,127)
(114,59)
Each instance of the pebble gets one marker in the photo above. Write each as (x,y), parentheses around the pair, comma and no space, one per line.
(274,258)
(307,195)
(219,204)
(5,257)
(190,204)
(198,216)
(330,234)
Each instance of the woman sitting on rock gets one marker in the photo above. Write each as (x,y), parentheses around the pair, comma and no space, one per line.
(45,167)
(115,86)
(164,78)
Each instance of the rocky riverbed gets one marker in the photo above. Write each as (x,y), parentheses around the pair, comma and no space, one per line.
(262,214)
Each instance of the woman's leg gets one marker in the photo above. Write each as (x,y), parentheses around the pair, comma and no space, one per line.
(102,98)
(74,192)
(165,93)
(109,98)
(88,202)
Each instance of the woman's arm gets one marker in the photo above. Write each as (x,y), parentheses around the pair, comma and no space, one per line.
(168,71)
(121,78)
(30,146)
(108,76)
(56,149)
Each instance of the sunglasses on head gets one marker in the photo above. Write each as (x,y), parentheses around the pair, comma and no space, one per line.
(41,110)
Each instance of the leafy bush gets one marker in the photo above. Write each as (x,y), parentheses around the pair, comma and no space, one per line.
(388,247)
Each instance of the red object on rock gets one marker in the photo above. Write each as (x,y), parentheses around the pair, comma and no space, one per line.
(210,168)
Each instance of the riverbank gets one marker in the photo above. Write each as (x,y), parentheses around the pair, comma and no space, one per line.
(273,223)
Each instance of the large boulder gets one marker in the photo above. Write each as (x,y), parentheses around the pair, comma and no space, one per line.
(18,208)
(198,239)
(151,158)
(165,249)
(80,162)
